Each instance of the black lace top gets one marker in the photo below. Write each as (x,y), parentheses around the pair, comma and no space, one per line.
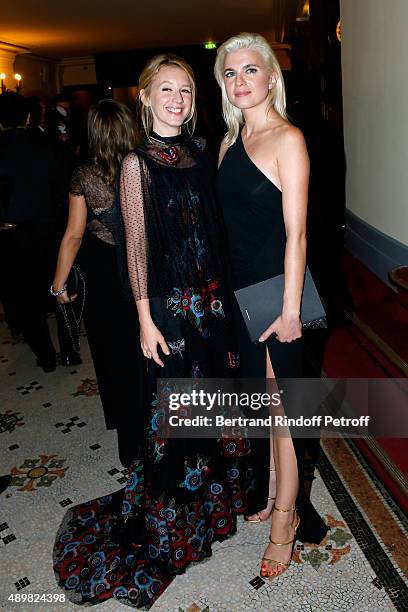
(87,181)
(171,221)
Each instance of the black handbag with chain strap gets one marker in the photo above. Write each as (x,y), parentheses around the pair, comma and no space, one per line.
(73,311)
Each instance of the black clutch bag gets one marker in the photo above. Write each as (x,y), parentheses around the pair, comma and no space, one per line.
(261,304)
(72,312)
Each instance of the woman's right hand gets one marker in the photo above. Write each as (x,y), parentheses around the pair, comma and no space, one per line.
(150,337)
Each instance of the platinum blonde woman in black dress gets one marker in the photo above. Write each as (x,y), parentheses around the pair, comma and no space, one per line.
(262,186)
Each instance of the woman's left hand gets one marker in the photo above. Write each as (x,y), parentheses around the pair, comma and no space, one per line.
(64,298)
(285,327)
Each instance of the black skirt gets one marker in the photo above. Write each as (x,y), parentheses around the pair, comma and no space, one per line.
(112,328)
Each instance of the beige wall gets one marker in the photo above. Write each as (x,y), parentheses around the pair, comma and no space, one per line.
(45,77)
(375,98)
(7,67)
(77,71)
(39,75)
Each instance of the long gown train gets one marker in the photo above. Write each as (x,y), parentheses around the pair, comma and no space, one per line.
(180,496)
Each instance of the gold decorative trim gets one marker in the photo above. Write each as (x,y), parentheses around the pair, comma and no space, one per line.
(11,47)
(392,469)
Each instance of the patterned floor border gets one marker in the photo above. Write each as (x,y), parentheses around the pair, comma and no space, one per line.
(387,575)
(68,398)
(397,511)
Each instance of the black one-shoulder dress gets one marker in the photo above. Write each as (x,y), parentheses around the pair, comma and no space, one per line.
(253,215)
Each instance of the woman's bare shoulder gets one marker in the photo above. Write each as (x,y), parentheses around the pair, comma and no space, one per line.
(288,137)
(222,152)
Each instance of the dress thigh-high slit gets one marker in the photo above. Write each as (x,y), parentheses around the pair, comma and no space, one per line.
(256,238)
(286,361)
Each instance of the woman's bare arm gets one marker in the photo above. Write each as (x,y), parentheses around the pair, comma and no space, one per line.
(293,165)
(70,243)
(293,168)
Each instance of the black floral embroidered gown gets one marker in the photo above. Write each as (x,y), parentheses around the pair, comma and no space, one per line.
(180,496)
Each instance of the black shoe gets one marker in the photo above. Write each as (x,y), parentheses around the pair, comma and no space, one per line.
(48,364)
(70,359)
(4,483)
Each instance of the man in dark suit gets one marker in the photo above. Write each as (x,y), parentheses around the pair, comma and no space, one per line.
(37,178)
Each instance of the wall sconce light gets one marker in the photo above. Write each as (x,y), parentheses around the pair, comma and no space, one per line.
(2,79)
(338,31)
(18,78)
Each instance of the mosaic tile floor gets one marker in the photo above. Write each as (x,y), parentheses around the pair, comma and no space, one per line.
(54,444)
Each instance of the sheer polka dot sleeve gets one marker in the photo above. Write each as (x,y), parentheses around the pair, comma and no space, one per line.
(133,211)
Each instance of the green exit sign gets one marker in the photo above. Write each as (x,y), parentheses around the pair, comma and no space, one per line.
(210,45)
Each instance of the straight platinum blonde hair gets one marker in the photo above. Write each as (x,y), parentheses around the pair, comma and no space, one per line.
(233,116)
(149,72)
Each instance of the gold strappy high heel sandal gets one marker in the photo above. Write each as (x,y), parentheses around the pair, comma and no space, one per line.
(280,564)
(258,518)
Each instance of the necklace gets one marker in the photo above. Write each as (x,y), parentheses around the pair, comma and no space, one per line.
(157,140)
(166,140)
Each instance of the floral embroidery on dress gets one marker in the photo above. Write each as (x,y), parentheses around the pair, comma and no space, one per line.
(233,360)
(134,490)
(196,371)
(195,306)
(195,477)
(177,347)
(156,443)
(179,496)
(169,155)
(199,142)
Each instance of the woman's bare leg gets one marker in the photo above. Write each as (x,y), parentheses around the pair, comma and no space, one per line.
(265,513)
(287,485)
